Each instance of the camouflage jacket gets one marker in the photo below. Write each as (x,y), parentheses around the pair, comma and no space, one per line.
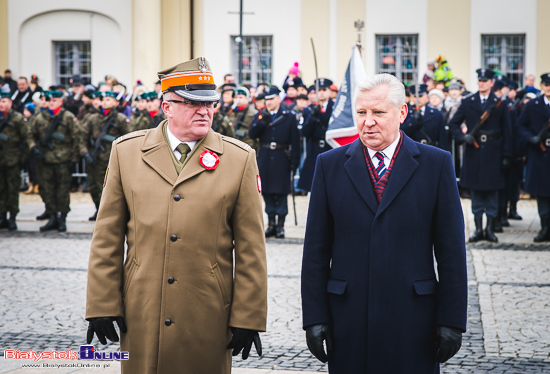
(222,125)
(241,121)
(92,129)
(139,120)
(14,139)
(64,144)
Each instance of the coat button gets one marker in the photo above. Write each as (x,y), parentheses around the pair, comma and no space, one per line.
(168,322)
(173,238)
(177,197)
(171,280)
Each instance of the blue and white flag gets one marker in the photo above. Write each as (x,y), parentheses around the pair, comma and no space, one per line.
(342,128)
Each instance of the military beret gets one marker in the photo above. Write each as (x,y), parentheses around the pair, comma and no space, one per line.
(545,78)
(5,95)
(272,92)
(44,94)
(55,94)
(98,94)
(192,80)
(152,95)
(109,94)
(242,91)
(141,96)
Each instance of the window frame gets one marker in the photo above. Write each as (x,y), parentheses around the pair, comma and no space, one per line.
(73,64)
(404,66)
(252,72)
(504,52)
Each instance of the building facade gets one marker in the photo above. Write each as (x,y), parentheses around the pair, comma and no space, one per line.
(133,39)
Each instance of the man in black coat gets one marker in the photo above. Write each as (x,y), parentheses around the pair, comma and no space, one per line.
(487,153)
(22,96)
(381,208)
(534,129)
(316,118)
(278,157)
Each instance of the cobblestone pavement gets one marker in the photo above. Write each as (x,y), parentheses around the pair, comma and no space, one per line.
(42,296)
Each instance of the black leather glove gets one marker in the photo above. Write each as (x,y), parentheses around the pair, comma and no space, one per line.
(534,140)
(448,343)
(315,335)
(243,339)
(103,327)
(469,139)
(37,153)
(506,164)
(88,159)
(266,117)
(315,111)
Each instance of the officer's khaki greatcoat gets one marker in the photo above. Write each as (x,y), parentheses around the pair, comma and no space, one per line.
(176,288)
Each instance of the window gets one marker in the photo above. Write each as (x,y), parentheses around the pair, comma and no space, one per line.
(72,58)
(397,55)
(505,54)
(256,59)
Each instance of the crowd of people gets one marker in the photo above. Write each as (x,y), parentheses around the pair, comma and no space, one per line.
(286,126)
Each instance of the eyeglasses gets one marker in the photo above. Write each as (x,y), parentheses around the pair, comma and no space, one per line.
(197,104)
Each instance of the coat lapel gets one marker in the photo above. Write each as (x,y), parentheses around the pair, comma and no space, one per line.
(156,153)
(212,142)
(403,168)
(357,171)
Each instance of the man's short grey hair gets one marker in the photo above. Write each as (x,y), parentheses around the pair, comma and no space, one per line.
(397,90)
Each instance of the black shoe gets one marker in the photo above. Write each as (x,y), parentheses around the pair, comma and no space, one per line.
(280,230)
(52,224)
(497,225)
(3,221)
(504,221)
(94,217)
(62,226)
(43,216)
(11,222)
(544,233)
(489,233)
(478,234)
(270,231)
(514,213)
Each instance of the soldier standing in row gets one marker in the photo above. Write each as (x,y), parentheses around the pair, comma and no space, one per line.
(140,119)
(220,122)
(534,128)
(14,149)
(278,157)
(488,150)
(243,116)
(99,132)
(86,110)
(156,115)
(316,118)
(425,124)
(54,141)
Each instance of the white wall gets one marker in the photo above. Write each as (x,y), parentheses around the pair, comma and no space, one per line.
(504,17)
(279,18)
(395,17)
(35,24)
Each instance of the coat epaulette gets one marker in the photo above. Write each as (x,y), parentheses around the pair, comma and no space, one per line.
(131,135)
(468,96)
(237,142)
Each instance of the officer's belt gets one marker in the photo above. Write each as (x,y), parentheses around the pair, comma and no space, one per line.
(485,136)
(274,146)
(321,142)
(425,141)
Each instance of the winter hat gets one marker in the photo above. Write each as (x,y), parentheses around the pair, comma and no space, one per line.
(294,70)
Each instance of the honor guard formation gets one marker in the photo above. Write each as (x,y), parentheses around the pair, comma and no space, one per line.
(59,140)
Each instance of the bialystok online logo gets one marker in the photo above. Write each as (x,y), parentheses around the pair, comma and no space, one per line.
(86,352)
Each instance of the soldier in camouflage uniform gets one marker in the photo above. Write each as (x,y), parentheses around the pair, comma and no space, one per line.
(242,117)
(221,121)
(14,149)
(140,119)
(156,115)
(98,134)
(54,141)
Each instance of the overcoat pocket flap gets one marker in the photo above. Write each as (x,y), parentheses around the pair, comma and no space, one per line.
(425,286)
(336,286)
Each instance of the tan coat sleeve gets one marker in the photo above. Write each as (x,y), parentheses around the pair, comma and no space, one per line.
(104,290)
(249,308)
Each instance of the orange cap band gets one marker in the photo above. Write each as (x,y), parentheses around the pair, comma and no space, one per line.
(181,79)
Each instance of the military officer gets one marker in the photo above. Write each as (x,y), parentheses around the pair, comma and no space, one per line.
(99,132)
(279,155)
(153,109)
(242,117)
(140,119)
(534,129)
(186,201)
(425,124)
(55,142)
(14,149)
(488,151)
(316,118)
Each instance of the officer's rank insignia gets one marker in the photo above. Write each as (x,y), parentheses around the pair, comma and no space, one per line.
(259,181)
(202,65)
(105,180)
(209,160)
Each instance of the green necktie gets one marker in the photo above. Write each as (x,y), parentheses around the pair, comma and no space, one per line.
(184,150)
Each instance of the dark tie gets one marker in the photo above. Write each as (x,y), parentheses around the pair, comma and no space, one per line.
(381,169)
(184,150)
